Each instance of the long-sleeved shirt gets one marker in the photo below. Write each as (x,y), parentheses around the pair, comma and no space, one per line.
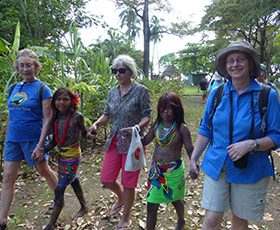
(216,155)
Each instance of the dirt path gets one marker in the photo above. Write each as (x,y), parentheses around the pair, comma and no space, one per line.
(30,208)
(33,197)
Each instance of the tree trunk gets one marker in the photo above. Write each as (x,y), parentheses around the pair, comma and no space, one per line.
(263,44)
(146,33)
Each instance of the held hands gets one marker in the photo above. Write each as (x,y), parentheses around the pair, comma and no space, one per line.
(239,149)
(194,169)
(92,131)
(38,154)
(127,132)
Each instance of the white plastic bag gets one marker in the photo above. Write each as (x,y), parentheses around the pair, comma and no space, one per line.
(135,157)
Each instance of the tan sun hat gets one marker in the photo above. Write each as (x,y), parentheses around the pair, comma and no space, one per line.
(241,46)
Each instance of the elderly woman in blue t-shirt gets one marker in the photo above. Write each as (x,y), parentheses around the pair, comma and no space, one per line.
(236,163)
(128,105)
(28,124)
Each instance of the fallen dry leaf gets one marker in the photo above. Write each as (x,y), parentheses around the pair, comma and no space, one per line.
(268,217)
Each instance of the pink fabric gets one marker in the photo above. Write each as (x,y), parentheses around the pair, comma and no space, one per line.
(112,164)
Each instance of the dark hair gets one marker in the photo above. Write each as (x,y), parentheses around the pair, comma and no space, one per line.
(171,99)
(73,97)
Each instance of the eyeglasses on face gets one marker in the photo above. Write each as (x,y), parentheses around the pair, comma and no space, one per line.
(27,65)
(121,71)
(239,60)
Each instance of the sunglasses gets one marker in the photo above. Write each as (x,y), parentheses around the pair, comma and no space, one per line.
(121,71)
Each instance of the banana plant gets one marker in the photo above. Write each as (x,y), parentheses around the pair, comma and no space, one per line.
(8,55)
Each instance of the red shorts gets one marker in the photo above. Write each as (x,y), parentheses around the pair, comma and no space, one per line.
(112,164)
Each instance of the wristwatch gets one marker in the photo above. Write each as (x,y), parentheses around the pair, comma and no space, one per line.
(256,145)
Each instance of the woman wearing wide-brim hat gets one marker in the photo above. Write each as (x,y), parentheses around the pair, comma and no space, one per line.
(236,163)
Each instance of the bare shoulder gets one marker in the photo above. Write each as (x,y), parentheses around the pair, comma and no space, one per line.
(78,116)
(184,128)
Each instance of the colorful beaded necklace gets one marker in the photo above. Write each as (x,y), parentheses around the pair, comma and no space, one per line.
(56,126)
(165,137)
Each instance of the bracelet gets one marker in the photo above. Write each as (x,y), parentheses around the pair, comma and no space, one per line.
(40,148)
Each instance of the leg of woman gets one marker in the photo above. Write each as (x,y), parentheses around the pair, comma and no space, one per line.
(110,171)
(80,195)
(58,205)
(128,200)
(180,210)
(238,223)
(115,188)
(45,171)
(152,215)
(10,175)
(212,220)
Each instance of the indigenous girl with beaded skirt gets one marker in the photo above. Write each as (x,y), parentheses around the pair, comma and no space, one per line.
(67,125)
(166,182)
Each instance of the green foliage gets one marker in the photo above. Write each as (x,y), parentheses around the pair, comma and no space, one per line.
(42,21)
(136,12)
(118,43)
(8,54)
(195,58)
(158,87)
(256,21)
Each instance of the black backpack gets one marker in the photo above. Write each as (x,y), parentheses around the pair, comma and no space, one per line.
(224,81)
(42,86)
(263,96)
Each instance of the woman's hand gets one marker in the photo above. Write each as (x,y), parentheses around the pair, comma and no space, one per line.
(38,154)
(239,149)
(90,135)
(194,169)
(126,132)
(92,130)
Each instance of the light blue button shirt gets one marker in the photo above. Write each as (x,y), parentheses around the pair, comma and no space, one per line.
(216,155)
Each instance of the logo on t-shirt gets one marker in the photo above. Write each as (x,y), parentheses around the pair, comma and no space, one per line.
(19,98)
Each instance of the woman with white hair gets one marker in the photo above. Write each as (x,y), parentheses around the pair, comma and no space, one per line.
(128,105)
(236,163)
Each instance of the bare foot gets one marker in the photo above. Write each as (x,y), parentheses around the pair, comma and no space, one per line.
(81,212)
(123,225)
(180,225)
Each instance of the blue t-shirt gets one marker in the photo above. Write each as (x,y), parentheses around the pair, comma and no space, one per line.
(216,155)
(25,111)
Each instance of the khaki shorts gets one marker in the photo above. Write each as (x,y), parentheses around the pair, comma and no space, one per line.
(246,201)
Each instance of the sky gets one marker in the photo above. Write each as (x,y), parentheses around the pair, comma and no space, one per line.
(190,10)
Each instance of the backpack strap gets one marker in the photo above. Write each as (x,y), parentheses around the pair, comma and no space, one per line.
(262,104)
(216,101)
(11,89)
(41,90)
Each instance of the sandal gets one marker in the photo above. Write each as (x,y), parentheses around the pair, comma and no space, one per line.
(116,208)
